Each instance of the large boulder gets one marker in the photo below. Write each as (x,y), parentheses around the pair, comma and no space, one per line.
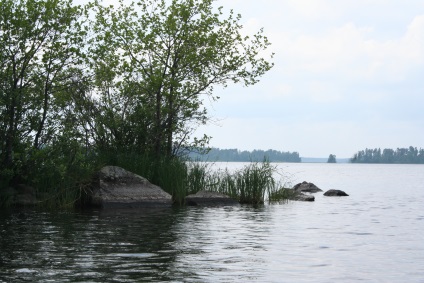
(117,188)
(335,193)
(306,187)
(207,198)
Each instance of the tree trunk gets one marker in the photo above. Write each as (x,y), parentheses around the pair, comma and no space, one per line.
(43,118)
(10,130)
(158,128)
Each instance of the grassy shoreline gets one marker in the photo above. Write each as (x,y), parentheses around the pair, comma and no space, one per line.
(69,187)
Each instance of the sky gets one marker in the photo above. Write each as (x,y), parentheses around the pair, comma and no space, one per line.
(348,75)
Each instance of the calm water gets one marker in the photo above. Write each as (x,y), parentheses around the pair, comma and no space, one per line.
(374,235)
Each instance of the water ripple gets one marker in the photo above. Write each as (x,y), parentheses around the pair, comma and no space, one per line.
(373,235)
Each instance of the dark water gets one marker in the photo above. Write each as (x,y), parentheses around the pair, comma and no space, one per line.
(374,235)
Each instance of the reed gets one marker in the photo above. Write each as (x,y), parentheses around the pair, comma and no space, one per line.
(253,181)
(6,198)
(143,164)
(63,186)
(224,182)
(197,176)
(169,173)
(252,184)
(5,191)
(171,176)
(280,195)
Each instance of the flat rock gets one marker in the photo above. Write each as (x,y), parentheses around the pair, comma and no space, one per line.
(306,187)
(207,198)
(335,193)
(114,187)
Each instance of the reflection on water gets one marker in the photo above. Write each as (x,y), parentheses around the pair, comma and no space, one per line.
(376,234)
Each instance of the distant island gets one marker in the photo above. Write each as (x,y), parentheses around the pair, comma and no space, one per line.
(235,155)
(410,155)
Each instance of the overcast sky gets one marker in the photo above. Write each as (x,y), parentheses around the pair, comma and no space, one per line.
(348,75)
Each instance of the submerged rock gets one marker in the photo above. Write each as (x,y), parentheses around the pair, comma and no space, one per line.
(299,196)
(20,196)
(306,187)
(207,198)
(117,188)
(303,197)
(335,193)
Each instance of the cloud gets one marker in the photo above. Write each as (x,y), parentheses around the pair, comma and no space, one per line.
(412,43)
(350,53)
(312,9)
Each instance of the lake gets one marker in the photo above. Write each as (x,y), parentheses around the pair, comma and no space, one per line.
(374,235)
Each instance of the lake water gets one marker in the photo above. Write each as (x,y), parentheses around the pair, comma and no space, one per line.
(374,235)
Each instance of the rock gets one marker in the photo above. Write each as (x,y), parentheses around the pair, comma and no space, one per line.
(299,196)
(206,198)
(114,187)
(22,195)
(303,197)
(24,200)
(25,189)
(335,193)
(306,187)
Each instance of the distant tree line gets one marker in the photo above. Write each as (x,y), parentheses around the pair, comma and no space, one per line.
(235,155)
(409,155)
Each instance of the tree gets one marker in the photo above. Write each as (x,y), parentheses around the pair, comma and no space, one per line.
(246,156)
(331,159)
(155,61)
(39,53)
(409,155)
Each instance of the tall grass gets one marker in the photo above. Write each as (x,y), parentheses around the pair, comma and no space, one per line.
(197,176)
(171,175)
(62,180)
(254,181)
(65,181)
(252,184)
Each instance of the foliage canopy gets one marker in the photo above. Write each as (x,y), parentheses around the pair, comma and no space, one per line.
(80,81)
(155,62)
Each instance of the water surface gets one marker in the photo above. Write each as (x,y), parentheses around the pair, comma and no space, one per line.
(374,235)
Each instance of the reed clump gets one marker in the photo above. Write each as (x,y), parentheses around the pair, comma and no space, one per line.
(281,195)
(253,184)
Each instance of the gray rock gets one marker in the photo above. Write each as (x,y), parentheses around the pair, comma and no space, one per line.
(299,196)
(114,187)
(335,193)
(206,198)
(303,197)
(21,195)
(24,200)
(306,187)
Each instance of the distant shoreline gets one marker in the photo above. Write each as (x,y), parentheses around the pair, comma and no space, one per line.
(322,160)
(311,160)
